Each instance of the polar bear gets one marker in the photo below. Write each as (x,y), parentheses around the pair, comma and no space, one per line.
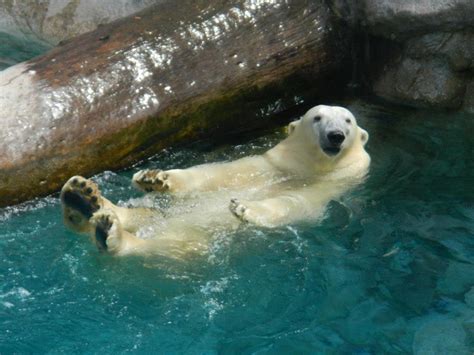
(323,156)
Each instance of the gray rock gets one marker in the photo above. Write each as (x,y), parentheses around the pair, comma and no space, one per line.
(456,48)
(469,97)
(56,20)
(399,19)
(433,71)
(423,82)
(437,40)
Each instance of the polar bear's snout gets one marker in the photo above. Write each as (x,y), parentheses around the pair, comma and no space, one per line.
(336,137)
(332,142)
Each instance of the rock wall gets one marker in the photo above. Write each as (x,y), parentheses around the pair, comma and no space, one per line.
(431,47)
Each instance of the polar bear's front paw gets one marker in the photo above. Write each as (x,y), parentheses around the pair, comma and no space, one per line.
(107,231)
(151,180)
(239,210)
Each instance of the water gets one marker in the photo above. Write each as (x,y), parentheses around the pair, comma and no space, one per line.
(14,49)
(389,270)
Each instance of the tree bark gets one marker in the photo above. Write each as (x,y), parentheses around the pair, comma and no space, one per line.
(175,72)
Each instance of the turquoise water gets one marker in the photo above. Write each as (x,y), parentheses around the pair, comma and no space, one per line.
(389,269)
(14,49)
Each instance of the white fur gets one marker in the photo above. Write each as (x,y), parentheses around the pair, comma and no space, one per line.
(291,182)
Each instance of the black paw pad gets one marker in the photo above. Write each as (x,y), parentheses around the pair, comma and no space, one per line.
(79,203)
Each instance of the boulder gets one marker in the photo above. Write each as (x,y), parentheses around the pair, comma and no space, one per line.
(433,43)
(469,97)
(423,82)
(455,48)
(401,19)
(167,75)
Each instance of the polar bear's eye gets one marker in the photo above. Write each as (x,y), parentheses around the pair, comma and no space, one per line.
(317,118)
(348,120)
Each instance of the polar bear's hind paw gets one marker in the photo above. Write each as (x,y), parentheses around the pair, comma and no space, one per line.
(81,195)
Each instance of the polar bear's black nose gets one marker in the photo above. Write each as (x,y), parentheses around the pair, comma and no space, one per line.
(336,137)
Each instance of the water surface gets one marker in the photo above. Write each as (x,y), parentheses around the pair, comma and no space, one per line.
(389,269)
(14,49)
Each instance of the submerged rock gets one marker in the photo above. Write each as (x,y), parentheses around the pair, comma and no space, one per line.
(167,75)
(440,335)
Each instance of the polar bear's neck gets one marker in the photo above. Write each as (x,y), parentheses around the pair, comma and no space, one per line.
(300,155)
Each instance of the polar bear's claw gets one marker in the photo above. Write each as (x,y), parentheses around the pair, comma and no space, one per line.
(151,180)
(81,195)
(102,228)
(238,209)
(107,230)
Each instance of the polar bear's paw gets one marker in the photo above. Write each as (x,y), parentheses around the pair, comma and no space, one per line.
(239,210)
(151,180)
(81,199)
(108,231)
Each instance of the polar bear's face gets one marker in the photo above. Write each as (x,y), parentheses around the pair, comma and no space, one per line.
(335,128)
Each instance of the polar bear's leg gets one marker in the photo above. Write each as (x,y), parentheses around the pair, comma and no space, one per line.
(81,198)
(268,213)
(177,242)
(299,204)
(208,177)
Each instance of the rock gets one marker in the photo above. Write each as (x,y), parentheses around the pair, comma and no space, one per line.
(401,19)
(469,97)
(56,20)
(469,297)
(432,70)
(440,335)
(169,74)
(421,83)
(457,279)
(455,48)
(436,39)
(372,322)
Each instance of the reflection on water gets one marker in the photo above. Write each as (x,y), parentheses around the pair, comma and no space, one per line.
(389,270)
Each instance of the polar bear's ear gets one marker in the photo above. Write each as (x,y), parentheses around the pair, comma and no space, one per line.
(364,136)
(291,127)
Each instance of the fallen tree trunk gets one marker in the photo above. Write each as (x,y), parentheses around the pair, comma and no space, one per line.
(175,72)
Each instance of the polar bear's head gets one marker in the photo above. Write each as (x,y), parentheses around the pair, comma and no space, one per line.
(334,129)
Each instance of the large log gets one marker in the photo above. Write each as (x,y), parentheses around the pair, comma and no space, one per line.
(175,72)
